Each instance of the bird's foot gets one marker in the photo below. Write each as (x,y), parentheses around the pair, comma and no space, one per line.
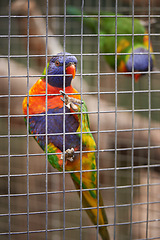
(69,155)
(70,101)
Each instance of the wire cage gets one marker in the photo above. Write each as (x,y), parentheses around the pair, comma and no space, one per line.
(36,200)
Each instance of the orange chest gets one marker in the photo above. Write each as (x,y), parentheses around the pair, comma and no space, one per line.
(41,102)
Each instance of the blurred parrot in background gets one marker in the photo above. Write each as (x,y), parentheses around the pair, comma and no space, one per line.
(74,106)
(124,43)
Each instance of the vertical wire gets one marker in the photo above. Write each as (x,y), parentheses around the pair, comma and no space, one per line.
(46,54)
(64,50)
(9,127)
(115,171)
(149,117)
(98,127)
(81,88)
(28,122)
(132,153)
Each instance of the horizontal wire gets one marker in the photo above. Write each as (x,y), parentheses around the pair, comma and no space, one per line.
(84,16)
(90,74)
(90,170)
(77,191)
(75,133)
(148,238)
(101,150)
(78,35)
(78,55)
(92,112)
(76,209)
(84,54)
(89,151)
(84,93)
(83,227)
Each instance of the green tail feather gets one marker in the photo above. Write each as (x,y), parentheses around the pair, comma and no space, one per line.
(102,230)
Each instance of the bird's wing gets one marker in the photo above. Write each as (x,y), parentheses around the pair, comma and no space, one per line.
(55,122)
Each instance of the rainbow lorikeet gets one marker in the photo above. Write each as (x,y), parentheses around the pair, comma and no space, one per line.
(55,129)
(124,43)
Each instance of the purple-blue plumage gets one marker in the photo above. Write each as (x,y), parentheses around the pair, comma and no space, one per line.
(141,61)
(55,125)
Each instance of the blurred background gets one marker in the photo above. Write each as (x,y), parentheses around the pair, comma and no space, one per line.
(129,160)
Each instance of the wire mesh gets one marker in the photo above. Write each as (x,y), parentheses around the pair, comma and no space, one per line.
(38,202)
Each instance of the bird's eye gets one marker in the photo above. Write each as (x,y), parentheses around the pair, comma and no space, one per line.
(57,63)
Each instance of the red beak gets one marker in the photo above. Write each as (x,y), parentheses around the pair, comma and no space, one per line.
(136,76)
(71,70)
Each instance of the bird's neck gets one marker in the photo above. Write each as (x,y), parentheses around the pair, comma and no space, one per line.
(37,104)
(40,88)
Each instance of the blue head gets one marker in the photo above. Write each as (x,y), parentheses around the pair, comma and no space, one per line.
(55,70)
(141,61)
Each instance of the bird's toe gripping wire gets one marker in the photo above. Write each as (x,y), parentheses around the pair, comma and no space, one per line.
(70,102)
(69,155)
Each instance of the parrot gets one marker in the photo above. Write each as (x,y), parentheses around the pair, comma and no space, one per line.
(140,49)
(63,98)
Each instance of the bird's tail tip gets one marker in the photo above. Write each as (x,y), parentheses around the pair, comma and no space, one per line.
(103,231)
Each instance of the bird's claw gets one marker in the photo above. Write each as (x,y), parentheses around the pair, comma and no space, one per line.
(70,101)
(69,155)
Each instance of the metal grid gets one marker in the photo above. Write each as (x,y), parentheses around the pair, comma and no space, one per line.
(36,200)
